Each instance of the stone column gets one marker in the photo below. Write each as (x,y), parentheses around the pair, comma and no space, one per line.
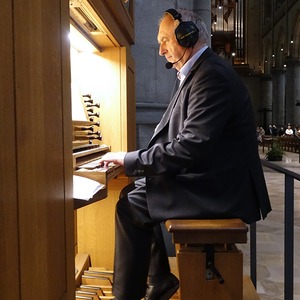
(278,78)
(293,91)
(267,100)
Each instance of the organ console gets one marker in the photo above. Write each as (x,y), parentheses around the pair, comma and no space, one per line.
(103,86)
(92,282)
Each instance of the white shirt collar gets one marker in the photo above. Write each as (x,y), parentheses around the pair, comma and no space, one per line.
(182,73)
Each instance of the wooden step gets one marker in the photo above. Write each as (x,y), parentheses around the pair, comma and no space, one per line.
(249,291)
(82,263)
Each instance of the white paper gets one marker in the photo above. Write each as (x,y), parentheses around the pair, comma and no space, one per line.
(85,188)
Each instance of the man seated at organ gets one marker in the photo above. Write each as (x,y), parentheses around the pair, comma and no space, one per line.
(201,162)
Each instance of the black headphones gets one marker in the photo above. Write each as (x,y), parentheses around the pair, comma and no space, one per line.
(186,32)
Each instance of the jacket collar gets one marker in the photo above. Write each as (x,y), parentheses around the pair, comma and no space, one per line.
(165,119)
(184,71)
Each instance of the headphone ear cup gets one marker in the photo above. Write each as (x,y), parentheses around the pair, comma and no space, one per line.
(187,34)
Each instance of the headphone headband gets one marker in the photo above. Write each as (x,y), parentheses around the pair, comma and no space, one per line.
(174,14)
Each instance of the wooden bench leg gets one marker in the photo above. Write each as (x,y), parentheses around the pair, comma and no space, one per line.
(199,282)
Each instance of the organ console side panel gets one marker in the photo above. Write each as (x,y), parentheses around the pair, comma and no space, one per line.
(70,229)
(37,205)
(129,105)
(43,173)
(8,170)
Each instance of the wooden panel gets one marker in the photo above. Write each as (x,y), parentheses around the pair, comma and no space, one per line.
(43,211)
(249,292)
(124,35)
(193,277)
(123,17)
(96,226)
(35,224)
(8,171)
(69,229)
(110,104)
(128,101)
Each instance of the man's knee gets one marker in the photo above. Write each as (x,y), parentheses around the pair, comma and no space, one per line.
(127,189)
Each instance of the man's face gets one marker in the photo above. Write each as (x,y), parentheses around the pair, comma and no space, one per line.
(169,47)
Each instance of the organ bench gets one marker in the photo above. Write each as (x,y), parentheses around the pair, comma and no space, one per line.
(209,263)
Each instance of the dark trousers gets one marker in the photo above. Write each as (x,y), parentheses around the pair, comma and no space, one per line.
(139,245)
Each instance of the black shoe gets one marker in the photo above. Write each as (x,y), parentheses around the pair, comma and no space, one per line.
(163,290)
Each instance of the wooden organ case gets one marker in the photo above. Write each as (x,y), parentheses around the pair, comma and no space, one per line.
(103,113)
(37,207)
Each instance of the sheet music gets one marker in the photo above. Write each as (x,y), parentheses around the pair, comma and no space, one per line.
(85,188)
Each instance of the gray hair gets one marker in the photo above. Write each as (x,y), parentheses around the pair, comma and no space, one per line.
(188,15)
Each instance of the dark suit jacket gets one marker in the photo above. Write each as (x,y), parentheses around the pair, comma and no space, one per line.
(202,161)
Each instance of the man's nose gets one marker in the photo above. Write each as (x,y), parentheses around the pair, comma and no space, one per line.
(162,50)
